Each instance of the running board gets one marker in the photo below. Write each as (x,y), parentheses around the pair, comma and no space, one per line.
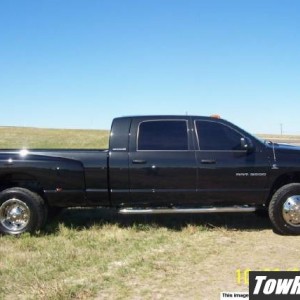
(134,211)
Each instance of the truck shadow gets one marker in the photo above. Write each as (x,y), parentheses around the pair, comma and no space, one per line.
(83,218)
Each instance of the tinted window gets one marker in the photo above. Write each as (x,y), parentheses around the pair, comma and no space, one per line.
(163,135)
(216,136)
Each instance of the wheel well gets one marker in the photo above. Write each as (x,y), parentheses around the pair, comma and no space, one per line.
(284,179)
(21,180)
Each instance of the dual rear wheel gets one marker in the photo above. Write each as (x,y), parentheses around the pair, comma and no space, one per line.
(21,211)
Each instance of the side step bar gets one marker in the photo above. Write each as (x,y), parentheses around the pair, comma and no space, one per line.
(204,210)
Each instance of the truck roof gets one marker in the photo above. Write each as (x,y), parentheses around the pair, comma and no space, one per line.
(170,116)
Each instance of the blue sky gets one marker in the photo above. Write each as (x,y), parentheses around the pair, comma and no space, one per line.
(78,64)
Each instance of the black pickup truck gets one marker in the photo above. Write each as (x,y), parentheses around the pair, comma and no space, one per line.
(155,164)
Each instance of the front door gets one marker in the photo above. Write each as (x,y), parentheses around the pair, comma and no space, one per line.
(228,174)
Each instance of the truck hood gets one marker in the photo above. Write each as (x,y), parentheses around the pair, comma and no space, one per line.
(286,154)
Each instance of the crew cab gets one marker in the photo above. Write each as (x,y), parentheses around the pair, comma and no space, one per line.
(155,164)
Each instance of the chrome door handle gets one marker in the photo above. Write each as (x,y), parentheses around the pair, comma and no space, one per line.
(139,161)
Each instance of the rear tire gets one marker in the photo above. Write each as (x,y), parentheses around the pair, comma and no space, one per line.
(284,209)
(21,211)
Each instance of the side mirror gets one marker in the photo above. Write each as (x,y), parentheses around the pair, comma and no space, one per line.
(247,145)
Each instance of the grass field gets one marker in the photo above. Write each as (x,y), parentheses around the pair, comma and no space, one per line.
(98,254)
(18,137)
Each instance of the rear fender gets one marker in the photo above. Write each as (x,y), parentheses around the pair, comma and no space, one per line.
(61,180)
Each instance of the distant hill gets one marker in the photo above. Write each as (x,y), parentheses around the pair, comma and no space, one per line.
(290,139)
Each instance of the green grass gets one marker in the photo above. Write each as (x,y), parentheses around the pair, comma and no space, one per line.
(25,137)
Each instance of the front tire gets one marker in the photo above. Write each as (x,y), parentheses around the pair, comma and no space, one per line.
(284,209)
(21,211)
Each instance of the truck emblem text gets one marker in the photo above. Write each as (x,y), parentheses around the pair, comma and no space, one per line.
(250,174)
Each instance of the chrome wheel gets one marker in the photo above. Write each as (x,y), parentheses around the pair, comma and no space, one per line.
(291,211)
(14,215)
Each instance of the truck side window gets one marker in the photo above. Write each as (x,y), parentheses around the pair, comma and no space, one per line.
(216,136)
(163,135)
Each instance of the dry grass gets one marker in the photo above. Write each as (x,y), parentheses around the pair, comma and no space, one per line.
(95,254)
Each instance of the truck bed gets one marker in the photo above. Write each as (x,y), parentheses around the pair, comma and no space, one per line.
(80,174)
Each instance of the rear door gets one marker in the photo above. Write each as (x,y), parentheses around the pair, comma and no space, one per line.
(162,163)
